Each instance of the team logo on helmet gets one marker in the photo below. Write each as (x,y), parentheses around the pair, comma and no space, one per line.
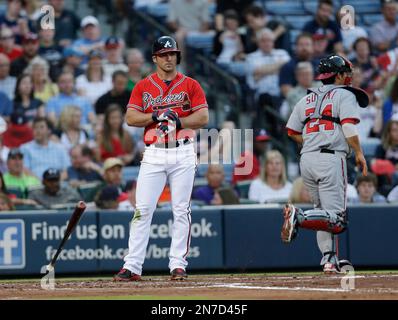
(168,44)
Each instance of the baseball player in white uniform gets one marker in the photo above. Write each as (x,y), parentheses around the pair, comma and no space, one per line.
(324,123)
(170,106)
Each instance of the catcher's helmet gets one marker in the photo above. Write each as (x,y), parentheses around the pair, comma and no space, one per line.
(332,65)
(166,44)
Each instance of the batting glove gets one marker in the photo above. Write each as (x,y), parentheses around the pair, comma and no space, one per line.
(168,115)
(165,127)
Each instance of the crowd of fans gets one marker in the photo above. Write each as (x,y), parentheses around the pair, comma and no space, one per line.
(64,92)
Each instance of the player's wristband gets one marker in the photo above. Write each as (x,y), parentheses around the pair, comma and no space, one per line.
(178,123)
(155,116)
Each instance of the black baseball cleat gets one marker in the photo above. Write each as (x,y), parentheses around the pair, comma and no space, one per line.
(126,275)
(178,274)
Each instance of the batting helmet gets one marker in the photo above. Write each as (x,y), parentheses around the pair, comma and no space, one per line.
(166,44)
(332,65)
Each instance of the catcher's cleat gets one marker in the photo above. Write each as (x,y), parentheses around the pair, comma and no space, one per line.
(289,225)
(178,274)
(126,275)
(330,268)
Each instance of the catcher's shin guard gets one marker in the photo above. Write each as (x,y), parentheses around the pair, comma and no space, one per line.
(321,220)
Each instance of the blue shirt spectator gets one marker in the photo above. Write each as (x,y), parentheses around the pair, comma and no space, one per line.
(67,97)
(41,153)
(5,105)
(323,20)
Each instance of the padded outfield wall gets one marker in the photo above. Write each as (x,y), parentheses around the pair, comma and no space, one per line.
(234,237)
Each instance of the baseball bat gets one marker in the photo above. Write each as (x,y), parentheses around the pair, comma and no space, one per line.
(73,221)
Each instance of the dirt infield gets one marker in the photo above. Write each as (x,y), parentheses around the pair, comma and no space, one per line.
(369,285)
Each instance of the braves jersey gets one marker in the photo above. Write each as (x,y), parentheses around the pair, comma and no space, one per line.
(183,95)
(321,133)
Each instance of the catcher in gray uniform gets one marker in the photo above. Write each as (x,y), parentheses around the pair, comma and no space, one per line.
(324,123)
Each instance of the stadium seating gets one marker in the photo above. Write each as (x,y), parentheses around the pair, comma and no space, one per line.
(89,190)
(364,6)
(371,19)
(283,8)
(298,22)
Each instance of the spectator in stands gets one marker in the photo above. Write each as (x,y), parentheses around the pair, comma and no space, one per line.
(14,20)
(367,190)
(263,68)
(393,195)
(107,198)
(118,95)
(19,131)
(187,17)
(365,61)
(385,33)
(113,56)
(24,99)
(83,168)
(67,97)
(71,131)
(53,194)
(388,149)
(239,6)
(228,43)
(210,194)
(67,23)
(7,82)
(324,20)
(371,117)
(304,51)
(115,142)
(3,149)
(273,185)
(113,175)
(349,32)
(252,159)
(6,203)
(30,46)
(91,37)
(390,106)
(32,10)
(320,39)
(5,106)
(129,203)
(299,192)
(72,61)
(257,20)
(41,153)
(305,79)
(94,82)
(7,44)
(43,87)
(135,63)
(17,177)
(51,52)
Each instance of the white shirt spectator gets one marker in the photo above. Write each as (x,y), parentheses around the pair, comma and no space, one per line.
(352,34)
(393,195)
(261,192)
(189,14)
(269,83)
(92,90)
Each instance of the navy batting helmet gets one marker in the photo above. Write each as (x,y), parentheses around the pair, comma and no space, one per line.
(332,65)
(166,44)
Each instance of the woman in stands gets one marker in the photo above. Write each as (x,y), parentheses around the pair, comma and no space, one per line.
(25,101)
(43,87)
(113,140)
(72,133)
(273,185)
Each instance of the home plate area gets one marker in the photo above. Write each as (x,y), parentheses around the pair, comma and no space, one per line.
(364,285)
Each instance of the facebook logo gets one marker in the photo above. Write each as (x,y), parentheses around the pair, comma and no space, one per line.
(12,244)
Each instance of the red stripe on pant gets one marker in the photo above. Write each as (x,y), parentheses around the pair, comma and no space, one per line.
(321,226)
